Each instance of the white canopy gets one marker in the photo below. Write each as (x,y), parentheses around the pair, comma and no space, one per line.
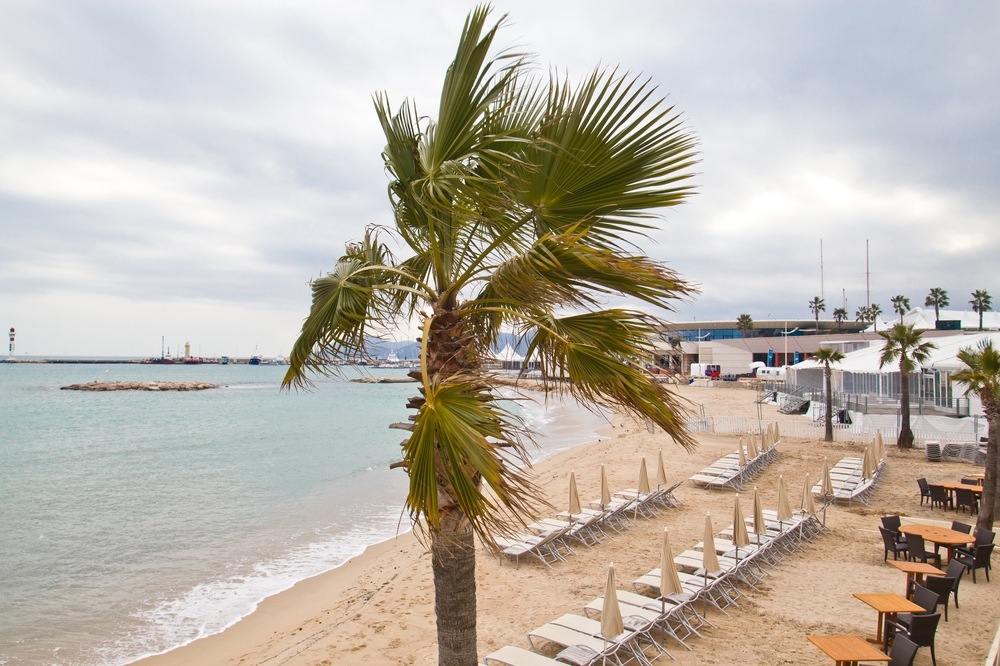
(508,355)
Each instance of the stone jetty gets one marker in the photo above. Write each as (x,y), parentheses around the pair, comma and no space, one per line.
(140,386)
(395,379)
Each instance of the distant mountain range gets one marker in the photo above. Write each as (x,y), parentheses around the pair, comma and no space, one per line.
(410,349)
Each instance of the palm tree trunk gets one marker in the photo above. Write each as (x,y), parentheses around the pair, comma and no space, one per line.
(905,439)
(988,505)
(453,559)
(828,433)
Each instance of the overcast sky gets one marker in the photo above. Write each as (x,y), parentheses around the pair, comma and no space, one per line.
(182,169)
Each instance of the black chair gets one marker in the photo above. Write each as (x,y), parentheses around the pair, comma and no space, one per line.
(940,496)
(921,630)
(961,527)
(916,550)
(981,560)
(890,544)
(983,538)
(903,652)
(925,491)
(943,587)
(970,482)
(892,523)
(966,498)
(955,570)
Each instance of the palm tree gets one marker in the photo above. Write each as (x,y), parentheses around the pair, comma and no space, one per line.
(874,312)
(817,305)
(744,324)
(901,304)
(981,375)
(840,315)
(981,302)
(521,208)
(906,345)
(828,355)
(938,298)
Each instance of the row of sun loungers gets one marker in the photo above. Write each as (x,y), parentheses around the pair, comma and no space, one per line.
(848,481)
(733,470)
(647,620)
(550,540)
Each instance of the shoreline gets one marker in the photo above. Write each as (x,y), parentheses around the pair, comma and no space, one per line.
(337,579)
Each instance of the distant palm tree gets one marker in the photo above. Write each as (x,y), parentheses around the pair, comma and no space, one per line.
(874,312)
(901,304)
(828,355)
(981,302)
(981,375)
(817,305)
(744,324)
(520,207)
(905,344)
(840,315)
(863,314)
(938,298)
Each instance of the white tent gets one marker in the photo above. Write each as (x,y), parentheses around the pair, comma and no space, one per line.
(508,358)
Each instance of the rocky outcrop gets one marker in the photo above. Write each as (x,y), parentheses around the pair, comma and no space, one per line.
(140,386)
(394,379)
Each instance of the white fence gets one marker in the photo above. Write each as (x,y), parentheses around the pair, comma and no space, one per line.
(994,657)
(857,433)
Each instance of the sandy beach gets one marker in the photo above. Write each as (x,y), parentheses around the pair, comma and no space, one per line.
(378,607)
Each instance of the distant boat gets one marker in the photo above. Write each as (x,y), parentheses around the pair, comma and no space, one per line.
(224,360)
(162,361)
(255,359)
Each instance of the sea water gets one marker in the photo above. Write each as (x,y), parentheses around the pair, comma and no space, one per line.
(133,522)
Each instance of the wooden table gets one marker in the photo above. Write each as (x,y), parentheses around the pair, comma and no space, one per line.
(847,650)
(940,536)
(887,606)
(915,572)
(960,486)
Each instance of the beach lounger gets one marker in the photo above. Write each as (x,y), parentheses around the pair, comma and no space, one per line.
(593,648)
(515,656)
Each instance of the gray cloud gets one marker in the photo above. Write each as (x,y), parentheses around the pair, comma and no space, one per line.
(183,169)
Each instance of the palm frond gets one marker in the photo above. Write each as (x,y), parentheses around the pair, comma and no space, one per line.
(598,358)
(361,290)
(464,440)
(608,157)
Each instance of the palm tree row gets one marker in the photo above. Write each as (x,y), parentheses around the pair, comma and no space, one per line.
(521,208)
(869,313)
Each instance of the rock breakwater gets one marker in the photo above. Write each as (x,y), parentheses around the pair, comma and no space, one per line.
(140,386)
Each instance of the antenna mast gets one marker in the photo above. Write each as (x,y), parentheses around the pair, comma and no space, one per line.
(822,290)
(868,278)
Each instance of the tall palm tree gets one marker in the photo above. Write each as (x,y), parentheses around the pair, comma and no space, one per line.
(828,355)
(981,375)
(840,315)
(817,305)
(863,314)
(744,324)
(905,344)
(981,302)
(901,304)
(520,208)
(874,312)
(938,298)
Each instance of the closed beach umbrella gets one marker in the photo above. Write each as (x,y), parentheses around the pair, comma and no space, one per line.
(866,463)
(752,446)
(784,508)
(759,525)
(661,473)
(743,455)
(574,496)
(611,615)
(827,482)
(709,560)
(670,582)
(740,536)
(879,444)
(643,478)
(605,491)
(777,432)
(807,497)
(763,441)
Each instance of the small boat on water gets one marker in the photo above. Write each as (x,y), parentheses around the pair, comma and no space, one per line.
(256,359)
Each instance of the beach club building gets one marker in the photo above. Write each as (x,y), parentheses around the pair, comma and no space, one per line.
(861,375)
